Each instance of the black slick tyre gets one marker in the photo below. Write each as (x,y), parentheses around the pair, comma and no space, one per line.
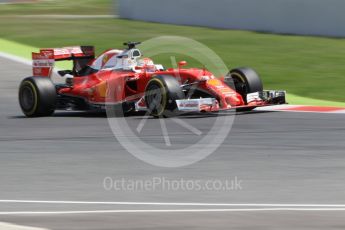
(37,96)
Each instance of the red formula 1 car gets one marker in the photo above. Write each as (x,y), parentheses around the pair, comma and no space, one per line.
(122,78)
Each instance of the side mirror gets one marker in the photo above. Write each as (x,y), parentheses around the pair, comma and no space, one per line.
(182,63)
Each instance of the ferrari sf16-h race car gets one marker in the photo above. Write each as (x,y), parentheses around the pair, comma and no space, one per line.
(123,78)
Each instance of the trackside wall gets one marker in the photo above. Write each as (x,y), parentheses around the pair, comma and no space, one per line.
(306,17)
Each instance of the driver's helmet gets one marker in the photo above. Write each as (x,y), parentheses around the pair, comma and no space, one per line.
(147,64)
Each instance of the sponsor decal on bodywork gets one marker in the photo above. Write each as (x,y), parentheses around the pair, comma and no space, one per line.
(195,104)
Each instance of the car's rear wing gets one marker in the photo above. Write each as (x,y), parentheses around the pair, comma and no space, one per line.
(43,62)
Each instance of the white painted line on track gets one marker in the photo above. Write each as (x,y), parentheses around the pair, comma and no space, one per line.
(16,58)
(174,211)
(275,107)
(177,204)
(303,109)
(339,111)
(8,226)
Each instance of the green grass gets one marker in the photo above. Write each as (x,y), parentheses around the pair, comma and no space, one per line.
(59,7)
(309,68)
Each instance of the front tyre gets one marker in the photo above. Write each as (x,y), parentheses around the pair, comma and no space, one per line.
(245,81)
(161,94)
(37,96)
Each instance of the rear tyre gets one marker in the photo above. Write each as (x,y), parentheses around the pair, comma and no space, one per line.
(161,94)
(37,96)
(245,81)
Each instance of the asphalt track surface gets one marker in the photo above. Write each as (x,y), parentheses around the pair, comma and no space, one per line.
(280,158)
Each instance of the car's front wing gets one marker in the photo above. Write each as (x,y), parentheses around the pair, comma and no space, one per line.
(258,99)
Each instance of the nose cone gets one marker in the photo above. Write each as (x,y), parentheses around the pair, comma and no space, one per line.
(235,100)
(227,96)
